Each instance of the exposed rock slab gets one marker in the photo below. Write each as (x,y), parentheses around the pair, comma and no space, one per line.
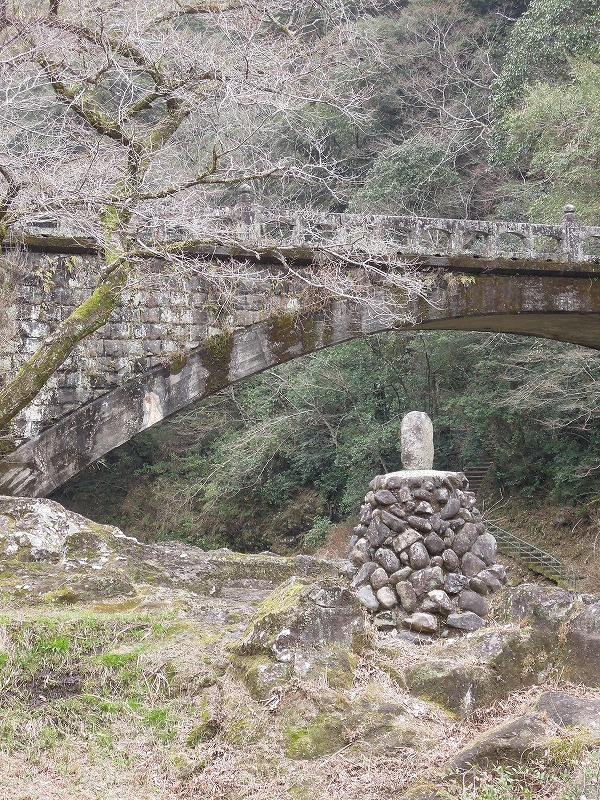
(50,554)
(529,735)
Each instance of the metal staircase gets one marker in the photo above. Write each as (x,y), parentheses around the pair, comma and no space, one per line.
(534,558)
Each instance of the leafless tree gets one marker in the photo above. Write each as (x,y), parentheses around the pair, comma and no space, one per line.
(114,114)
(561,390)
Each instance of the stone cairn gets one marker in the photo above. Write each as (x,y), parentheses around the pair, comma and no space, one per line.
(421,556)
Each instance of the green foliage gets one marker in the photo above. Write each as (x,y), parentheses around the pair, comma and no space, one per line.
(546,133)
(553,137)
(543,41)
(416,176)
(272,463)
(318,533)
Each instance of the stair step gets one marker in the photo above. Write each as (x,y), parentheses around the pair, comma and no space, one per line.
(533,557)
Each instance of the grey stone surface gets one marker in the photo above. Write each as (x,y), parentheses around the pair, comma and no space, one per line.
(455,583)
(421,622)
(420,524)
(377,533)
(392,521)
(388,559)
(465,539)
(434,544)
(424,508)
(569,711)
(405,540)
(451,508)
(379,578)
(480,586)
(400,575)
(471,565)
(499,571)
(424,570)
(422,494)
(427,579)
(472,601)
(416,434)
(490,579)
(451,560)
(387,597)
(418,556)
(385,620)
(363,574)
(529,736)
(467,621)
(385,497)
(583,646)
(436,522)
(360,552)
(485,548)
(366,597)
(441,601)
(407,595)
(404,494)
(397,510)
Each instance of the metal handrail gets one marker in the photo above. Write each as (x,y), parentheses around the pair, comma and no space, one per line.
(534,558)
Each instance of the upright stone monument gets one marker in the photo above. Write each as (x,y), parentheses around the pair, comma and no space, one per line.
(416,436)
(421,556)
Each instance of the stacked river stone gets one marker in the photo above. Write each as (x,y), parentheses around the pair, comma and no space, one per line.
(422,556)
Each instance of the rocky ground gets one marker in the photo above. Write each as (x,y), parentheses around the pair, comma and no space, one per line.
(163,671)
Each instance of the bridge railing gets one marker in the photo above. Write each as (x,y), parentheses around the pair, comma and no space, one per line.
(251,226)
(566,243)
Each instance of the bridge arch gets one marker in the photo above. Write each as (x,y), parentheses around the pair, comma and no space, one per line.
(562,308)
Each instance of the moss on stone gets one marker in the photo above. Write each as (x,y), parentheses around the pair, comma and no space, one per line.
(283,333)
(261,674)
(65,596)
(337,665)
(7,445)
(322,736)
(177,362)
(309,334)
(207,725)
(283,599)
(216,357)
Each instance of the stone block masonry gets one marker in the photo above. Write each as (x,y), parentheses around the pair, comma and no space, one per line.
(421,556)
(177,336)
(160,315)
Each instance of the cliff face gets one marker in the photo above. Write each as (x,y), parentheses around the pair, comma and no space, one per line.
(164,671)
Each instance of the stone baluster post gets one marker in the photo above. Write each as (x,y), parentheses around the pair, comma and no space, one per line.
(572,245)
(244,207)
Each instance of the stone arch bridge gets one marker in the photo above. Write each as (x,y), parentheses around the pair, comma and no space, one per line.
(168,346)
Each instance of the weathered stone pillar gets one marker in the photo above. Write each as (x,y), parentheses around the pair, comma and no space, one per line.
(572,240)
(416,434)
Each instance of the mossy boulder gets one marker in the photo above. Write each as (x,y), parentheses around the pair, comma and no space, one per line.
(557,722)
(453,686)
(308,628)
(582,643)
(463,674)
(320,737)
(543,607)
(262,675)
(208,719)
(49,554)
